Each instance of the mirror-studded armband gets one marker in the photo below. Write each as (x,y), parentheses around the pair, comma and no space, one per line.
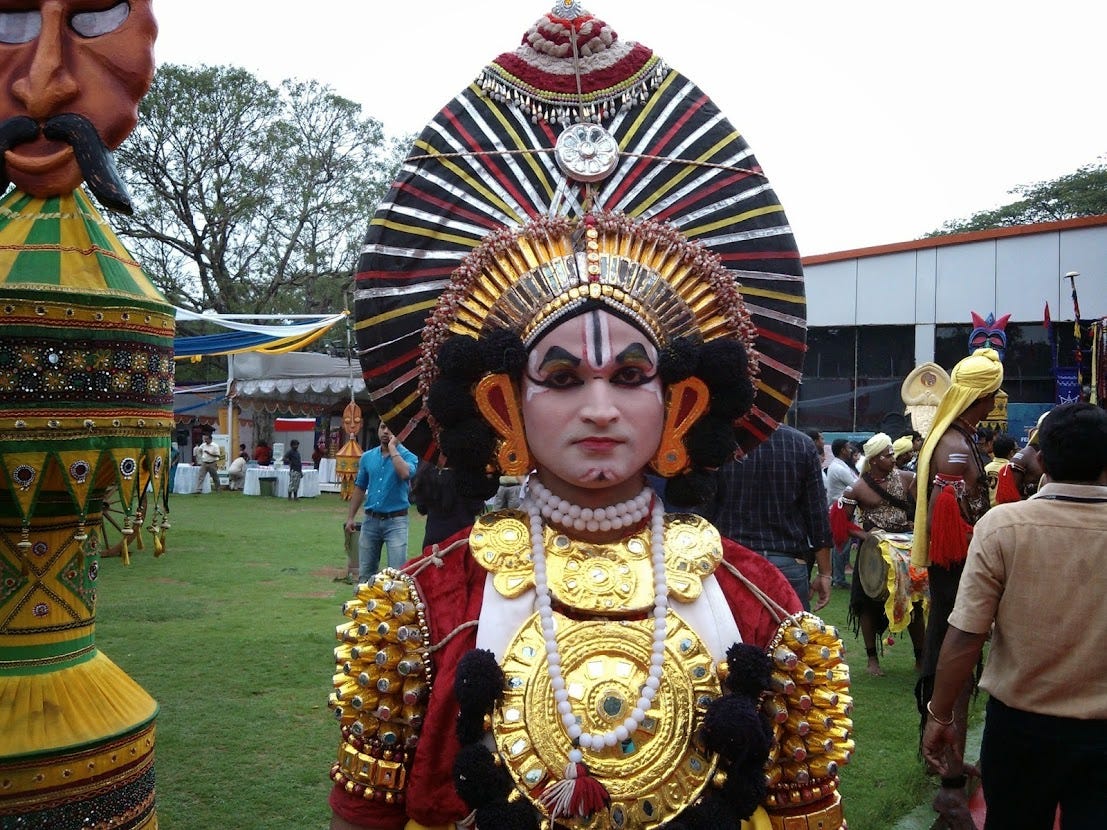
(810,708)
(381,684)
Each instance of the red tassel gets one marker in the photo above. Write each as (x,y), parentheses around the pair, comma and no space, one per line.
(578,794)
(840,524)
(1006,489)
(949,532)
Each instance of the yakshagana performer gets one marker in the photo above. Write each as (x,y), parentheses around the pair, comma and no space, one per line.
(882,502)
(585,660)
(946,510)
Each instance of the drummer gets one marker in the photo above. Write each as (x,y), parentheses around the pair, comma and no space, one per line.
(883,498)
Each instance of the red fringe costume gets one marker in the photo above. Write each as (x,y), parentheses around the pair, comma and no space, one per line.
(949,532)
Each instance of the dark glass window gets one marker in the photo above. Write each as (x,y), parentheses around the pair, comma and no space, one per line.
(1027,362)
(885,351)
(852,376)
(831,353)
(951,343)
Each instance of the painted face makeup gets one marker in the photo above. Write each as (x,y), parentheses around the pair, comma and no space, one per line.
(593,408)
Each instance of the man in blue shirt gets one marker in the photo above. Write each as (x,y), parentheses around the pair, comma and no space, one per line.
(382,488)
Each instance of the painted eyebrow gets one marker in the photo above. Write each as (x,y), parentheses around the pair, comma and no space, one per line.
(635,352)
(556,354)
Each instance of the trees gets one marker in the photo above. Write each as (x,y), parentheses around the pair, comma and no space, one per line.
(250,198)
(1080,193)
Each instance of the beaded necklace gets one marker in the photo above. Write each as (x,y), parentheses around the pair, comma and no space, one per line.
(558,511)
(561,798)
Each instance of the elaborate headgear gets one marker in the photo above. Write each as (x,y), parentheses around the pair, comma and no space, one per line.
(902,446)
(972,378)
(498,203)
(874,447)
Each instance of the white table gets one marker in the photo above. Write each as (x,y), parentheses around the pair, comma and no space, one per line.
(327,471)
(309,484)
(184,481)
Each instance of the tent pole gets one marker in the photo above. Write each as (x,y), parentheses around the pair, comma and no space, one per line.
(230,404)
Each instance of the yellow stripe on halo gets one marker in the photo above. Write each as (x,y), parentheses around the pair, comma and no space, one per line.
(794,299)
(736,219)
(689,168)
(399,407)
(426,233)
(772,393)
(394,314)
(474,183)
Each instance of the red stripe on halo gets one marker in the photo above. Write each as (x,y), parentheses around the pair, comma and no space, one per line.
(699,195)
(768,334)
(505,180)
(453,209)
(632,178)
(413,274)
(385,368)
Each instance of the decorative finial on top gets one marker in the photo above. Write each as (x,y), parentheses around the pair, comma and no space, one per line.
(568,9)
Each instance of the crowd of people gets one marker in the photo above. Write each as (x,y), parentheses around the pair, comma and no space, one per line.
(209,457)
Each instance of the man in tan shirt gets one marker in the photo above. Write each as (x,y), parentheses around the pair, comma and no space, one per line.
(1036,571)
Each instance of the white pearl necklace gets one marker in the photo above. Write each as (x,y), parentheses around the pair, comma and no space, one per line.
(599,740)
(560,512)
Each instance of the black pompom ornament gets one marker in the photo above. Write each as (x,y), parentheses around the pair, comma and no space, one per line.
(470,443)
(502,351)
(505,815)
(460,357)
(749,670)
(733,727)
(450,401)
(477,778)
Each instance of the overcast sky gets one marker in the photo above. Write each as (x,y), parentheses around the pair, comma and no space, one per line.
(875,121)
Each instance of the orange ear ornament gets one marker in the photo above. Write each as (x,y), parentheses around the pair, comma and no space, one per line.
(687,401)
(499,404)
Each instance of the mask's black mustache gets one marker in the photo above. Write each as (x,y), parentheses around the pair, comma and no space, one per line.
(13,131)
(93,158)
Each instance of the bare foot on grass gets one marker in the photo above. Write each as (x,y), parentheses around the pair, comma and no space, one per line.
(873,668)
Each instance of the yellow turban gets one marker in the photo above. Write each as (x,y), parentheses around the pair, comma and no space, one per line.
(902,445)
(977,375)
(874,447)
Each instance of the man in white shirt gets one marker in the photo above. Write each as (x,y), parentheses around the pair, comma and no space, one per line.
(840,474)
(207,455)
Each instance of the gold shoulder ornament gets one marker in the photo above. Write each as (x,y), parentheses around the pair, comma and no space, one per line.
(382,682)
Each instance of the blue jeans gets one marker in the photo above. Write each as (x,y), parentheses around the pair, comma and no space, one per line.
(375,533)
(797,574)
(839,559)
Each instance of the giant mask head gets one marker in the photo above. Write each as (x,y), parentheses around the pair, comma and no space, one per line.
(71,75)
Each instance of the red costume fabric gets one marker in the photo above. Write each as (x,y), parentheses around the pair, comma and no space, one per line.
(1006,489)
(453,594)
(949,532)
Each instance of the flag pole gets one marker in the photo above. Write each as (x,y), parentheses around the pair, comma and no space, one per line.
(1078,352)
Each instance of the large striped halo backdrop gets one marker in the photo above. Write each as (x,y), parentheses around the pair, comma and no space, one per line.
(661,150)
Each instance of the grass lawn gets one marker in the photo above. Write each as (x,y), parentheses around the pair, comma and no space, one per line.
(232,632)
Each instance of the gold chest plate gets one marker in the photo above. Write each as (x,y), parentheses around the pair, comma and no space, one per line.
(659,770)
(607,579)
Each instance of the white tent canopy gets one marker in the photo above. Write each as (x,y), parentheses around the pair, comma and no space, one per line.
(297,382)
